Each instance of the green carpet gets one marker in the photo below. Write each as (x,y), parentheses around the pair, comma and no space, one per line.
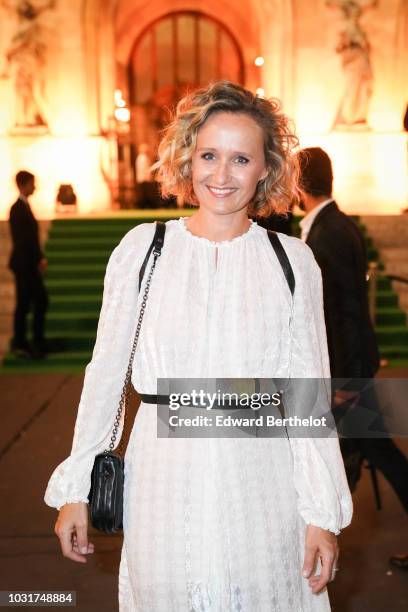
(78,250)
(391,322)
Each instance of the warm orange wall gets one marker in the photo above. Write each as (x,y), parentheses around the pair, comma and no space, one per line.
(90,45)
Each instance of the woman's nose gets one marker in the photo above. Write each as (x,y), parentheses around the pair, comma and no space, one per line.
(221,174)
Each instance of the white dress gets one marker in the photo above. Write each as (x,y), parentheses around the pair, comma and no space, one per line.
(210,524)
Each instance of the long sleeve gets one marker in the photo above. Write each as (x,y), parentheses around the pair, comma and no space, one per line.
(324,498)
(105,373)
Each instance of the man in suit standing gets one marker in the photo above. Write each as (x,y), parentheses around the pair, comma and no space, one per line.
(28,263)
(339,249)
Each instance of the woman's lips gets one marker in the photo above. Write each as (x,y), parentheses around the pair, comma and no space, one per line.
(221,192)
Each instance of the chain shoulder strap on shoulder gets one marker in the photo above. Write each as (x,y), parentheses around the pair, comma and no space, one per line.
(156,247)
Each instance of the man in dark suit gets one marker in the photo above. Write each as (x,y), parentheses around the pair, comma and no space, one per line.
(28,263)
(339,249)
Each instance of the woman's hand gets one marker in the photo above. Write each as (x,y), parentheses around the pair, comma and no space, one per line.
(320,543)
(72,530)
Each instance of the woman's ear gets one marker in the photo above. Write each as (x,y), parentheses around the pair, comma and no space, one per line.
(264,174)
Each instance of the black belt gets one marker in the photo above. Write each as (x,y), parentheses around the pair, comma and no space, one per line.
(164,400)
(155,399)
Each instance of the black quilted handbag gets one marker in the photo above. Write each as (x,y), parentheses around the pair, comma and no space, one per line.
(106,494)
(108,472)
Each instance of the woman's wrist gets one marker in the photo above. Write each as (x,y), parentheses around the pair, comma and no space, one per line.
(335,533)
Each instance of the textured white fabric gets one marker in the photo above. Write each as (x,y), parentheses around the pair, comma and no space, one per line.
(210,524)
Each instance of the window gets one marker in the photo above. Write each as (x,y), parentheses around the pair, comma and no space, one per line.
(181,51)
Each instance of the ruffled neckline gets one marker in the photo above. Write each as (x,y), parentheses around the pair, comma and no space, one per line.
(221,243)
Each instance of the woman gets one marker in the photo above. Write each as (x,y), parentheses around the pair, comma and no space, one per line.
(213,524)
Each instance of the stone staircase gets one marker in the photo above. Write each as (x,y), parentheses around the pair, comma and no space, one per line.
(78,250)
(7,291)
(390,235)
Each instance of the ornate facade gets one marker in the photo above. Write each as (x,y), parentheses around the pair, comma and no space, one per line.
(67,68)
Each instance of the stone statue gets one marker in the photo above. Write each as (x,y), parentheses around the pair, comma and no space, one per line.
(27,54)
(354,48)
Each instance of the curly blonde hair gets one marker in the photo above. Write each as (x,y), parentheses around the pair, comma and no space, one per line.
(277,192)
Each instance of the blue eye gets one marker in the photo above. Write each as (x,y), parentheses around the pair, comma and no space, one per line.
(208,156)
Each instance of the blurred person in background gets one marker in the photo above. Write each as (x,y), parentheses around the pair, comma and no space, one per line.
(339,248)
(28,264)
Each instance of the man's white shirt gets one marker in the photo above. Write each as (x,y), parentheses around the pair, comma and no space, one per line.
(21,196)
(308,220)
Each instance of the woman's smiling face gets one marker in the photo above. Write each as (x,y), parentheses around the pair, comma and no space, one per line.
(228,162)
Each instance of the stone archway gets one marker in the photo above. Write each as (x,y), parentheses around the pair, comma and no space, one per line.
(178,52)
(260,27)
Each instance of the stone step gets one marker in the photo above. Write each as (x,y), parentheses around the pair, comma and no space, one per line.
(404,302)
(6,323)
(387,230)
(6,276)
(7,291)
(391,254)
(400,288)
(397,268)
(6,307)
(388,233)
(4,345)
(4,258)
(390,236)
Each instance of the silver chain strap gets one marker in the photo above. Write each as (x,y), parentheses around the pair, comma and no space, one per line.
(125,389)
